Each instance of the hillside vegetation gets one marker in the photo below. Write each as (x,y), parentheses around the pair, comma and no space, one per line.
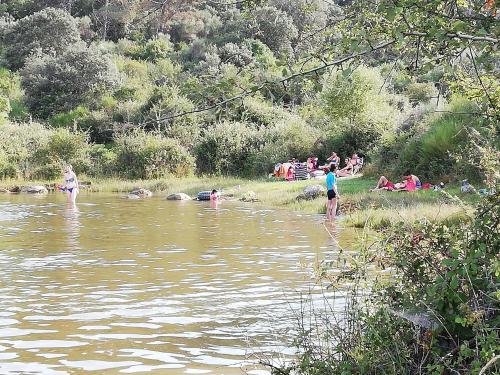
(148,89)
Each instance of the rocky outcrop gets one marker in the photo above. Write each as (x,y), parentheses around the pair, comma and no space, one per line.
(179,197)
(312,192)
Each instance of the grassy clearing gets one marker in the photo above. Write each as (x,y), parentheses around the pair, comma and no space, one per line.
(359,206)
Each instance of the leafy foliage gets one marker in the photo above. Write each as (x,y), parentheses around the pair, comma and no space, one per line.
(437,313)
(48,31)
(60,83)
(143,156)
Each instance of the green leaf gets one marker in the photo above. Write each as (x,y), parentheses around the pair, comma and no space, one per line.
(454,282)
(390,14)
(347,72)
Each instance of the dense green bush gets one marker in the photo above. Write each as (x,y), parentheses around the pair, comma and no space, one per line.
(33,151)
(442,146)
(18,143)
(62,82)
(224,148)
(62,147)
(167,101)
(244,149)
(437,313)
(103,161)
(48,31)
(421,92)
(142,155)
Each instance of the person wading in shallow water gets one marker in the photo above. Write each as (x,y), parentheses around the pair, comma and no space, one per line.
(331,192)
(70,184)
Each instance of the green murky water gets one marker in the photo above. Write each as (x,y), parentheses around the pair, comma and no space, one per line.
(118,286)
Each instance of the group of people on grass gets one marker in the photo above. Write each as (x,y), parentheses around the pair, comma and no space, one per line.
(290,170)
(352,164)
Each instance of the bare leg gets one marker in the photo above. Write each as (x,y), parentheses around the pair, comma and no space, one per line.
(343,173)
(334,208)
(72,196)
(329,210)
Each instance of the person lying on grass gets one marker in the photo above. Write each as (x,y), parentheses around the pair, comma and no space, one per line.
(384,184)
(410,183)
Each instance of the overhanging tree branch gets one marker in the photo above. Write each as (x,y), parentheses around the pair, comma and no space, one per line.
(254,90)
(473,38)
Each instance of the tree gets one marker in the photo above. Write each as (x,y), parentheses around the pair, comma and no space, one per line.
(461,36)
(60,83)
(309,17)
(274,28)
(48,31)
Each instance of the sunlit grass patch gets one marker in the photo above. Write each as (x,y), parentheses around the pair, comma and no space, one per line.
(384,217)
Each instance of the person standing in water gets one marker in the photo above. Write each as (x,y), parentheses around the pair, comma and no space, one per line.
(331,192)
(70,184)
(214,198)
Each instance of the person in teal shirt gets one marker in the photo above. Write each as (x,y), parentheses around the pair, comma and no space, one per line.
(331,192)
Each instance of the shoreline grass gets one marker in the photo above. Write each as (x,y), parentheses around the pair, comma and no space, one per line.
(359,207)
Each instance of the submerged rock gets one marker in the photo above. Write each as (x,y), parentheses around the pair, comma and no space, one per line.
(35,189)
(131,196)
(179,197)
(141,193)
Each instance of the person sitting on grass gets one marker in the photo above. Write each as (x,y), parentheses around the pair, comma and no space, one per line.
(333,160)
(384,184)
(349,168)
(411,183)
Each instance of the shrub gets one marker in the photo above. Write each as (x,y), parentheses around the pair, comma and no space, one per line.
(18,143)
(48,31)
(102,160)
(62,82)
(243,149)
(421,92)
(224,148)
(436,313)
(281,142)
(168,101)
(144,156)
(69,119)
(433,154)
(4,107)
(7,169)
(62,147)
(153,50)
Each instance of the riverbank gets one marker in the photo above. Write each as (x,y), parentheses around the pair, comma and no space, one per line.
(359,207)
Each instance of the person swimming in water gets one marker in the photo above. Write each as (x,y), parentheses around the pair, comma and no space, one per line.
(70,184)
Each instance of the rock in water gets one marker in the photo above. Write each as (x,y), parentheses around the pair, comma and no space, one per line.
(131,196)
(141,193)
(179,197)
(36,189)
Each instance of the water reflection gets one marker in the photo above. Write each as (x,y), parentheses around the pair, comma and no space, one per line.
(71,216)
(121,286)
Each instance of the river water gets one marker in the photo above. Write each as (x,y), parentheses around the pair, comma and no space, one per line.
(120,286)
